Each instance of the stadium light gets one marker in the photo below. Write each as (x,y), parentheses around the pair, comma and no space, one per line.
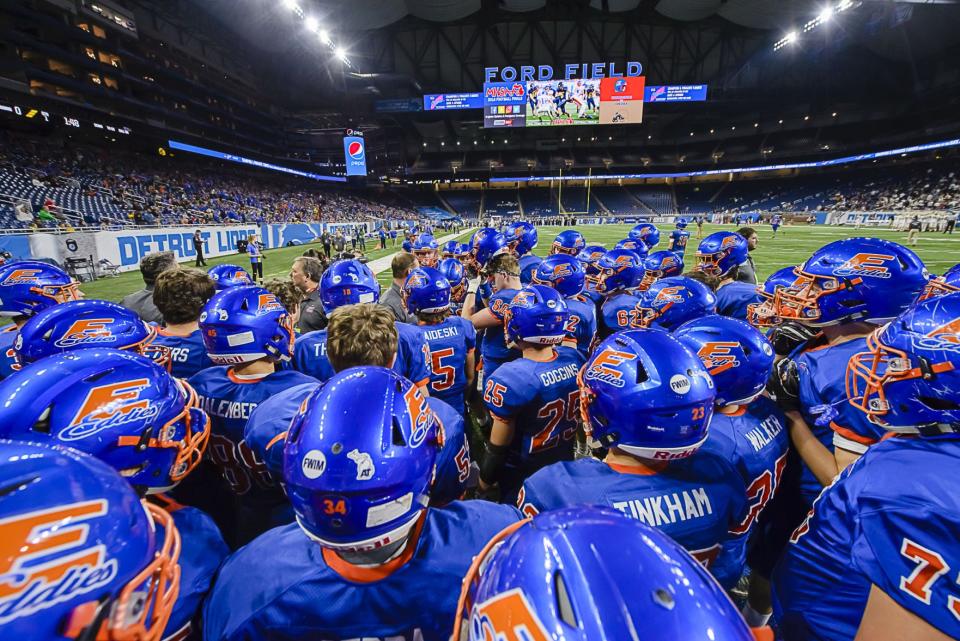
(442,144)
(756,124)
(834,114)
(340,53)
(844,5)
(826,14)
(324,36)
(791,37)
(780,121)
(711,131)
(291,4)
(806,117)
(311,23)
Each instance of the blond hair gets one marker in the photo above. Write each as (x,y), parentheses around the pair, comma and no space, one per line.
(361,334)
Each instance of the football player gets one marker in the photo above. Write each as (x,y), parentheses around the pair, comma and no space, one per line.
(522,240)
(634,245)
(649,399)
(566,275)
(661,264)
(83,324)
(542,575)
(109,567)
(366,557)
(348,282)
(225,276)
(532,400)
(672,301)
(569,241)
(359,335)
(425,249)
(940,285)
(453,270)
(775,221)
(646,233)
(451,340)
(246,331)
(26,288)
(589,257)
(763,314)
(621,273)
(180,295)
(720,254)
(132,415)
(747,429)
(679,237)
(449,249)
(877,557)
(502,272)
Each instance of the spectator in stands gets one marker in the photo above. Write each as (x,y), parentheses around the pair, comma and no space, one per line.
(748,270)
(141,302)
(305,275)
(198,247)
(401,266)
(180,295)
(913,230)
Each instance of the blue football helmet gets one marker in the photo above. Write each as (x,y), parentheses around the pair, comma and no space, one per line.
(244,324)
(425,249)
(117,406)
(486,244)
(537,314)
(347,282)
(764,313)
(589,256)
(908,378)
(449,249)
(947,283)
(646,393)
(646,233)
(407,246)
(636,246)
(569,241)
(562,272)
(720,252)
(83,324)
(360,459)
(521,238)
(681,223)
(426,291)
(544,575)
(463,252)
(83,557)
(738,357)
(30,286)
(675,300)
(855,279)
(661,264)
(452,269)
(620,270)
(224,276)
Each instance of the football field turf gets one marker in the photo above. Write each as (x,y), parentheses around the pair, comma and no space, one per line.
(793,245)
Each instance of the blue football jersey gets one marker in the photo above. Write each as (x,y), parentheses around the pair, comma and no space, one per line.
(698,501)
(202,550)
(187,353)
(412,362)
(302,591)
(449,343)
(590,291)
(755,440)
(8,355)
(821,370)
(266,430)
(528,265)
(678,241)
(619,312)
(229,401)
(543,401)
(494,346)
(582,326)
(891,519)
(733,298)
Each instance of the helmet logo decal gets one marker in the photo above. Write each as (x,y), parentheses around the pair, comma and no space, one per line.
(87,330)
(865,264)
(267,303)
(603,367)
(717,357)
(47,558)
(421,417)
(946,337)
(506,617)
(313,464)
(108,406)
(669,295)
(562,271)
(728,242)
(680,384)
(21,277)
(364,461)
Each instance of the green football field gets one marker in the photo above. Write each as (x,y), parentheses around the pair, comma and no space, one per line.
(792,246)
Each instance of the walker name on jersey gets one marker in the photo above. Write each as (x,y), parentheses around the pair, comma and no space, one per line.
(765,433)
(441,332)
(227,409)
(667,509)
(560,374)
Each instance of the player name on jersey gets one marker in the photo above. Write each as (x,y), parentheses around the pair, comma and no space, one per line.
(668,508)
(227,409)
(560,374)
(765,433)
(440,332)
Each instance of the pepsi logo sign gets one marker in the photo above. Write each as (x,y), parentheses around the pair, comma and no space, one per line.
(355,150)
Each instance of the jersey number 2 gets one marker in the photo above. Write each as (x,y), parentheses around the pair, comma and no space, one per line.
(555,411)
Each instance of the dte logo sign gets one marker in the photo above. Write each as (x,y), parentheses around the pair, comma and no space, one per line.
(355,155)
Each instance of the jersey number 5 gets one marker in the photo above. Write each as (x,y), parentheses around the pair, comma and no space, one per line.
(555,411)
(447,372)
